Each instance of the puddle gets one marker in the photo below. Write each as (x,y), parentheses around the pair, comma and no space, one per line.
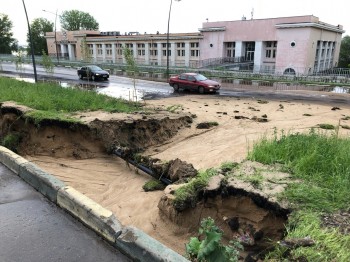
(341,90)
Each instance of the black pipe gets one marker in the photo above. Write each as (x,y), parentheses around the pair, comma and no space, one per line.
(164,180)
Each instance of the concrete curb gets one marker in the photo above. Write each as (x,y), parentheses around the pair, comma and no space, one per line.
(131,241)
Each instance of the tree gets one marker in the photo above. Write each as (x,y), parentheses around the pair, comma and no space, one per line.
(344,54)
(85,51)
(7,42)
(38,28)
(75,20)
(131,67)
(47,63)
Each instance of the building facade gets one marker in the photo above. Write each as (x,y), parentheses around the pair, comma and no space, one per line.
(289,45)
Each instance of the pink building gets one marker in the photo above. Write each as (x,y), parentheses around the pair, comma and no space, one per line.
(292,45)
(300,44)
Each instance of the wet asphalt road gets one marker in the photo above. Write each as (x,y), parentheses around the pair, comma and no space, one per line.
(34,229)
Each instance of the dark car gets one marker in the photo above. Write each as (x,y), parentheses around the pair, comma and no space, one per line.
(194,82)
(92,72)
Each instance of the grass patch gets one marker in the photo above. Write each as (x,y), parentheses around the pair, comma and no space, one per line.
(326,126)
(56,99)
(330,245)
(322,163)
(187,195)
(153,185)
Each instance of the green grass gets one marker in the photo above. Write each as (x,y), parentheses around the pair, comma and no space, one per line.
(56,99)
(321,165)
(330,245)
(187,195)
(321,161)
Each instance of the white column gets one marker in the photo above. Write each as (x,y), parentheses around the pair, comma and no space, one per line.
(123,56)
(71,54)
(147,58)
(134,50)
(113,52)
(172,50)
(239,49)
(319,56)
(94,48)
(160,53)
(103,53)
(258,56)
(187,53)
(63,50)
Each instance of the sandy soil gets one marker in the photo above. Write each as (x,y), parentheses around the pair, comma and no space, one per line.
(110,182)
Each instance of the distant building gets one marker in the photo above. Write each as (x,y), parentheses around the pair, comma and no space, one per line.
(292,45)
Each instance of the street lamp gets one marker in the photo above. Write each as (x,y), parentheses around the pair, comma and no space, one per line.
(57,56)
(167,40)
(31,43)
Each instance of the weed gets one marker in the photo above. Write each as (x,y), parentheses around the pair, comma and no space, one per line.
(174,108)
(210,247)
(153,185)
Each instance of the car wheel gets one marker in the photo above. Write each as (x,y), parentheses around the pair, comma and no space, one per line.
(201,89)
(176,87)
(80,76)
(93,78)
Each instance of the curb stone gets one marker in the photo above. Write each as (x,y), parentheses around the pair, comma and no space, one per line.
(129,240)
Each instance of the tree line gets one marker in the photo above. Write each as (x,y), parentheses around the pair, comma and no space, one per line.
(72,20)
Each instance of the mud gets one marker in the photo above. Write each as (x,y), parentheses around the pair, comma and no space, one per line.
(171,143)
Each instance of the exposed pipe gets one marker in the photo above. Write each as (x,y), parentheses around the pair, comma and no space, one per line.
(119,152)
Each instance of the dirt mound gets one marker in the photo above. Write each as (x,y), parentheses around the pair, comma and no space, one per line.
(92,136)
(244,209)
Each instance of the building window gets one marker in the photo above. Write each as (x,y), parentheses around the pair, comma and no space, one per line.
(270,49)
(119,49)
(141,49)
(230,49)
(164,51)
(153,49)
(109,49)
(249,51)
(91,49)
(99,49)
(180,49)
(194,49)
(130,46)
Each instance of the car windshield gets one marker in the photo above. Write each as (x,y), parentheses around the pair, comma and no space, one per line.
(200,77)
(95,68)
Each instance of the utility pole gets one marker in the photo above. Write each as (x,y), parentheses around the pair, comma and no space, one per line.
(31,43)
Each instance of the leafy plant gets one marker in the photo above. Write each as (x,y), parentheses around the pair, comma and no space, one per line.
(174,108)
(208,246)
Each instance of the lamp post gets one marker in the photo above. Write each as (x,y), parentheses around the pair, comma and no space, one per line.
(167,40)
(57,56)
(31,44)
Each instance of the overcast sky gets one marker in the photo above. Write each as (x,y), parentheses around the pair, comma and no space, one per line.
(187,16)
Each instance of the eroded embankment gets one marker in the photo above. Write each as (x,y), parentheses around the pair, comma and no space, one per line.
(243,211)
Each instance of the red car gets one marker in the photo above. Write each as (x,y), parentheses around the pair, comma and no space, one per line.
(194,82)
